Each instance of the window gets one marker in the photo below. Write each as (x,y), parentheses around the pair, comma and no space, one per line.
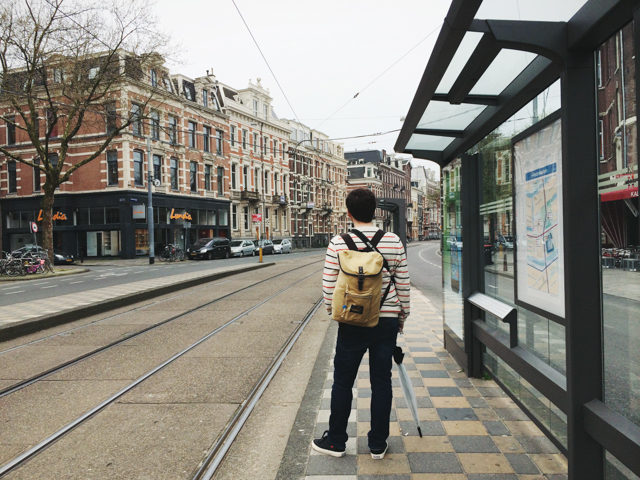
(207,177)
(275,184)
(13,180)
(220,180)
(266,183)
(36,175)
(266,111)
(255,108)
(219,135)
(256,179)
(245,212)
(136,119)
(187,92)
(174,173)
(11,130)
(93,72)
(245,172)
(275,148)
(234,184)
(53,159)
(112,167)
(265,144)
(137,167)
(154,77)
(155,125)
(193,176)
(167,84)
(234,217)
(207,139)
(275,219)
(112,215)
(244,139)
(157,167)
(192,134)
(284,147)
(601,138)
(233,135)
(255,143)
(173,130)
(110,108)
(599,68)
(57,75)
(205,98)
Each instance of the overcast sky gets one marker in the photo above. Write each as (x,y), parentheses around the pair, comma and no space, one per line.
(321,52)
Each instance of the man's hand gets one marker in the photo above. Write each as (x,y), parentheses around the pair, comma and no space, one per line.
(401,329)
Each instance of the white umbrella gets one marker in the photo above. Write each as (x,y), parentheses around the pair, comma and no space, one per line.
(407,387)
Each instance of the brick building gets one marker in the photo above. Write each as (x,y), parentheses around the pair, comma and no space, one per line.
(101,210)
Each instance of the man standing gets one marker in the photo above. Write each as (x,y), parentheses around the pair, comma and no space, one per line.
(354,341)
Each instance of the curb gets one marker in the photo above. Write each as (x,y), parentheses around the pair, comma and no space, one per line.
(40,277)
(32,325)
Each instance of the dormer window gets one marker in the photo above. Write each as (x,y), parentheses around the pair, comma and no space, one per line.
(188,94)
(214,101)
(205,98)
(266,112)
(167,84)
(154,78)
(255,108)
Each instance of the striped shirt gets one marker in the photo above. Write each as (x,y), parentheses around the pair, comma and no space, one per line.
(397,302)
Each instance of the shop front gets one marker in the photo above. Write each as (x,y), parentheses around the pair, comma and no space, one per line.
(532,117)
(114,224)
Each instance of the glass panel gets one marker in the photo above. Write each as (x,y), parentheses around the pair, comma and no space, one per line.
(445,116)
(620,235)
(452,248)
(615,470)
(459,60)
(502,71)
(428,142)
(540,10)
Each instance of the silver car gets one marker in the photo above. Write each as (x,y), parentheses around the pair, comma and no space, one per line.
(240,248)
(282,246)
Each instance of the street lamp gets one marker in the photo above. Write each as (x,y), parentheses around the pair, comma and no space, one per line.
(150,179)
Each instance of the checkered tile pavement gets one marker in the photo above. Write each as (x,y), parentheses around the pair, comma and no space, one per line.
(472,430)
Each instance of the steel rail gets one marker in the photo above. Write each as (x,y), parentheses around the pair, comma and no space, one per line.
(29,381)
(214,458)
(33,451)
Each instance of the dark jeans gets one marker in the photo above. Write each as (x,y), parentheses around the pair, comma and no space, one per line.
(352,344)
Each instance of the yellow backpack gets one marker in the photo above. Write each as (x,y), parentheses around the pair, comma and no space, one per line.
(359,284)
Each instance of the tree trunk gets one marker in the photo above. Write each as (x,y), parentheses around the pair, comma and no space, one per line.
(47,219)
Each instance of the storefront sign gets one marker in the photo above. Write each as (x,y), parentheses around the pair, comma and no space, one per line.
(256,217)
(56,216)
(138,211)
(539,220)
(310,205)
(180,216)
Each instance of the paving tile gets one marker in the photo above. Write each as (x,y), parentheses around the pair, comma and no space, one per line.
(484,463)
(401,476)
(439,382)
(522,464)
(496,428)
(510,414)
(491,392)
(419,360)
(485,414)
(327,465)
(438,476)
(463,383)
(473,444)
(527,428)
(444,392)
(434,463)
(331,477)
(428,428)
(457,414)
(550,463)
(464,428)
(470,392)
(434,374)
(450,402)
(536,444)
(394,463)
(434,444)
(422,349)
(508,445)
(428,414)
(501,402)
(478,402)
(492,476)
(423,402)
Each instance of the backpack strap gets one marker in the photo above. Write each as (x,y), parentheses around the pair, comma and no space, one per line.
(372,246)
(349,241)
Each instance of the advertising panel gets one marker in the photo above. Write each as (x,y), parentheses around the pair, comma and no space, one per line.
(539,220)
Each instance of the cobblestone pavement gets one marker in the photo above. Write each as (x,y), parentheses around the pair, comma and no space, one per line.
(472,429)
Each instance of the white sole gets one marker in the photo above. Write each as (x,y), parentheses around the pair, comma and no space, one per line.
(327,452)
(380,456)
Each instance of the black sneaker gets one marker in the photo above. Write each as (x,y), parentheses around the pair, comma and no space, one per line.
(379,454)
(323,445)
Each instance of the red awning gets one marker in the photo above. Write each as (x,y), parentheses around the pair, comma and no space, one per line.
(619,194)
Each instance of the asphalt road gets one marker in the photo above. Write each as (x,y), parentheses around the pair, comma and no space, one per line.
(425,269)
(106,276)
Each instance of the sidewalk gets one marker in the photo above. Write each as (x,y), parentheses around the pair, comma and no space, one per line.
(472,429)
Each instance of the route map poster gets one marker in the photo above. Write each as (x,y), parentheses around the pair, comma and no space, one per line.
(539,223)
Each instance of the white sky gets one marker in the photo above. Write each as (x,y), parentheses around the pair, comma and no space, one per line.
(322,53)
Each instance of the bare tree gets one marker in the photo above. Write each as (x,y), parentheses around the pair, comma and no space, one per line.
(64,64)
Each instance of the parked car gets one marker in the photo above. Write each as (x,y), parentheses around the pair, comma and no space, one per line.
(240,248)
(267,247)
(282,245)
(28,249)
(506,241)
(453,243)
(210,248)
(61,258)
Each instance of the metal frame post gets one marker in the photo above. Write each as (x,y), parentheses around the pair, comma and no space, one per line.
(582,261)
(150,204)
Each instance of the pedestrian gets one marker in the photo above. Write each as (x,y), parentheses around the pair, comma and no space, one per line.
(353,341)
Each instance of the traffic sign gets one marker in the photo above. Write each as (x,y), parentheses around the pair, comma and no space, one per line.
(34,227)
(256,217)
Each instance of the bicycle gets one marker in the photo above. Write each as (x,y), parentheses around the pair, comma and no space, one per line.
(10,265)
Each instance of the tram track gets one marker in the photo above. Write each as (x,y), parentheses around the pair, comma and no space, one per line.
(220,447)
(25,383)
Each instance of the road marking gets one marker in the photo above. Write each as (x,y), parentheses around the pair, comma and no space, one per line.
(11,288)
(73,283)
(39,283)
(11,293)
(50,286)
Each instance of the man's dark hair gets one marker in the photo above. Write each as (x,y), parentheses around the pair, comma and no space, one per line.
(361,204)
